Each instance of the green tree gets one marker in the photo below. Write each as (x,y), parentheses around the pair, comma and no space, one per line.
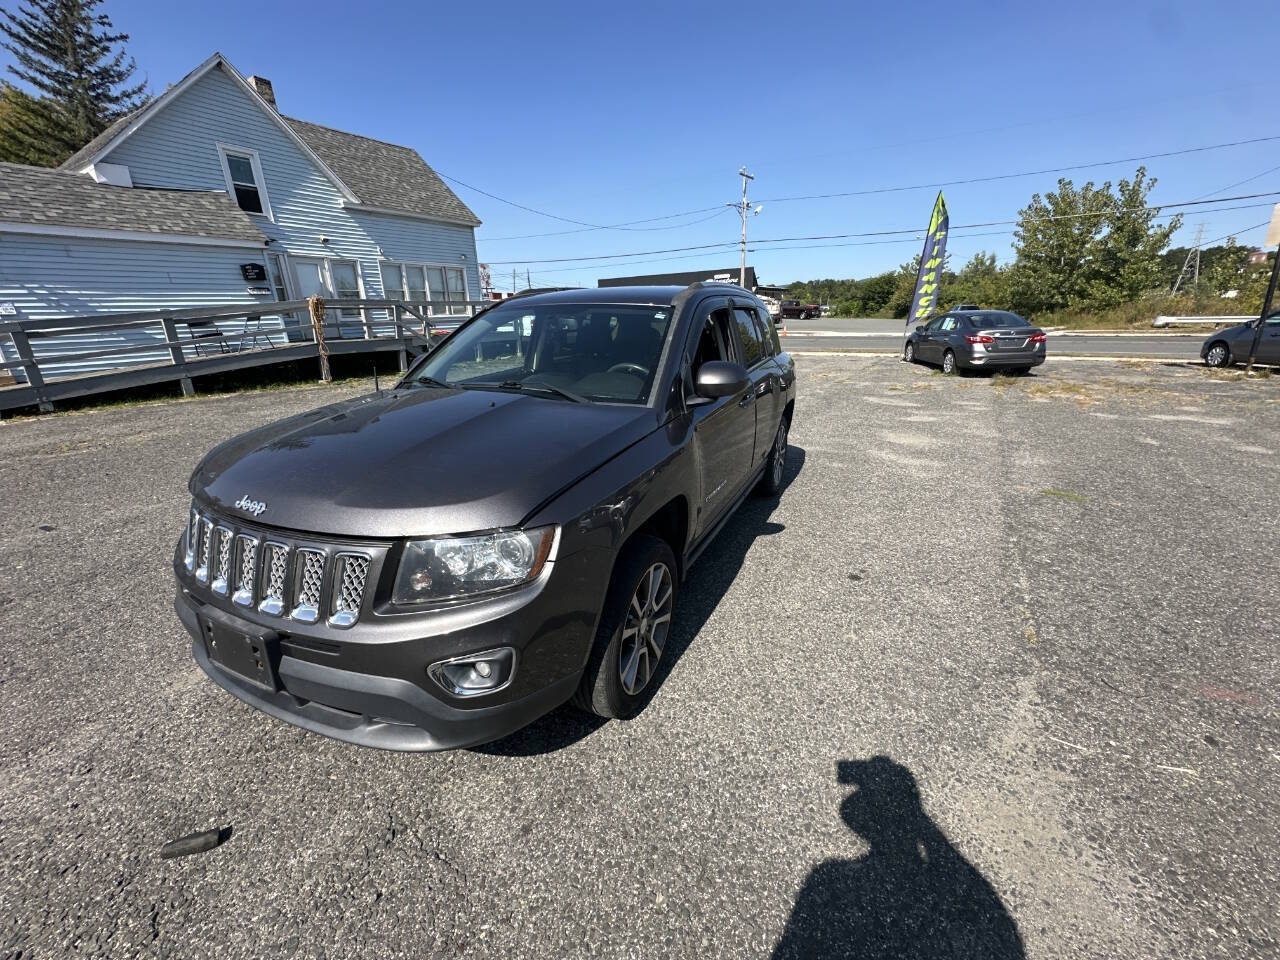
(1056,245)
(75,63)
(26,125)
(1126,258)
(980,281)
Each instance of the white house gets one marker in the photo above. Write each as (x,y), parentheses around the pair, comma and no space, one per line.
(209,195)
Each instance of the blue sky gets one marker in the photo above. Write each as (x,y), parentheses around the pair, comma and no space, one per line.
(606,113)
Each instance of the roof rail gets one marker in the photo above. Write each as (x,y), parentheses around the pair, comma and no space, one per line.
(704,284)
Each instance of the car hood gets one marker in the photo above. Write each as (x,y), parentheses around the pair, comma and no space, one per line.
(414,463)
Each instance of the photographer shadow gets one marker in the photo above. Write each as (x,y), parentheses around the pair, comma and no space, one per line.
(911,896)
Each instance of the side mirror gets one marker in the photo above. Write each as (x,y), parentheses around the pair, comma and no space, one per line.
(719,378)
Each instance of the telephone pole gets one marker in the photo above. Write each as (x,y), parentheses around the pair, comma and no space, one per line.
(743,207)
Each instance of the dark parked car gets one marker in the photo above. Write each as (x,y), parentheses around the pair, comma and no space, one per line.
(795,310)
(976,340)
(1232,345)
(508,528)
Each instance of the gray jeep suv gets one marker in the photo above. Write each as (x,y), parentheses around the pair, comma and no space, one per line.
(507,529)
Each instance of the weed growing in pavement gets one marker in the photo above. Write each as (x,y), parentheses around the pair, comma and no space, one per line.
(1064,495)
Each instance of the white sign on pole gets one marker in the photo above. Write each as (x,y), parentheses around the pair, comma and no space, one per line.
(1273,231)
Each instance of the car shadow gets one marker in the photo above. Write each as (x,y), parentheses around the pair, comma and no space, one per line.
(700,594)
(911,895)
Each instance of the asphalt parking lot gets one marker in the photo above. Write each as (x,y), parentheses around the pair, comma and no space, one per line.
(996,676)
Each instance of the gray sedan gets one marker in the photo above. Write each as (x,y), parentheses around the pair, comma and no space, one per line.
(1222,348)
(976,340)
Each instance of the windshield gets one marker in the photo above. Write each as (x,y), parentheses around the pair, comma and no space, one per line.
(995,321)
(581,351)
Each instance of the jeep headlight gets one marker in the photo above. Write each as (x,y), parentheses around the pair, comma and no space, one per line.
(448,568)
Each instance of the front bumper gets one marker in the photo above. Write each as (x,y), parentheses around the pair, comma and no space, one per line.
(369,685)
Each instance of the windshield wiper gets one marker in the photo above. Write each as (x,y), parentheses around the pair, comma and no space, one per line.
(426,382)
(519,385)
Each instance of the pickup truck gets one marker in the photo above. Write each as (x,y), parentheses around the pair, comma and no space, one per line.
(795,310)
(505,530)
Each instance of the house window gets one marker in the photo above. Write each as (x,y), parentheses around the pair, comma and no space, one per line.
(243,172)
(275,272)
(436,286)
(345,276)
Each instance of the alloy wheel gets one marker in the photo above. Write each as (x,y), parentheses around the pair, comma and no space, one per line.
(909,353)
(778,464)
(1217,356)
(949,363)
(644,632)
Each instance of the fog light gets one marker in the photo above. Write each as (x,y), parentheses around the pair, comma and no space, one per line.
(476,673)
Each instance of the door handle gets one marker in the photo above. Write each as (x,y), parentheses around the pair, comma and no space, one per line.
(748,399)
(766,386)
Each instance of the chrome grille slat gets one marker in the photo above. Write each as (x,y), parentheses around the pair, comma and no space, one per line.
(222,560)
(247,569)
(193,534)
(309,573)
(275,568)
(351,575)
(203,546)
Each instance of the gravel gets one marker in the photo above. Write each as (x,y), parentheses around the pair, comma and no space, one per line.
(996,676)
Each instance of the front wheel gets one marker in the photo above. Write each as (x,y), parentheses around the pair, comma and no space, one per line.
(909,353)
(1218,355)
(949,363)
(771,482)
(634,626)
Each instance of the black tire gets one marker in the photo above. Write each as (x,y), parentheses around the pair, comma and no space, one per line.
(909,353)
(1218,354)
(949,365)
(602,691)
(775,469)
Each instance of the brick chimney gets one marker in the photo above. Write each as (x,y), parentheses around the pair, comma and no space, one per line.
(265,91)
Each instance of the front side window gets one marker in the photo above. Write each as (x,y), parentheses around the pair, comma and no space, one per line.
(594,352)
(752,347)
(243,173)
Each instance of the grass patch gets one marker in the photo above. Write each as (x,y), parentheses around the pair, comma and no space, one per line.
(1064,495)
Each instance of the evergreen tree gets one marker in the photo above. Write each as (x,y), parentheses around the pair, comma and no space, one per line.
(75,62)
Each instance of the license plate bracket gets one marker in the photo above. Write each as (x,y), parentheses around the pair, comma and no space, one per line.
(248,655)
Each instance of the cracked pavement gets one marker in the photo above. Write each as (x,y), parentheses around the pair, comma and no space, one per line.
(1031,613)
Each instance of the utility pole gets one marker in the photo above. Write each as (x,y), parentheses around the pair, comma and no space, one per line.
(1192,263)
(743,207)
(513,280)
(1266,311)
(528,284)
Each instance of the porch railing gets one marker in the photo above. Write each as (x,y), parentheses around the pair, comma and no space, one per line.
(45,360)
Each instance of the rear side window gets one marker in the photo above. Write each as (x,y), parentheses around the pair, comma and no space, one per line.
(752,346)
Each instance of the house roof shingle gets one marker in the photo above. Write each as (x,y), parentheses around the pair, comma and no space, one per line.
(85,153)
(61,198)
(383,174)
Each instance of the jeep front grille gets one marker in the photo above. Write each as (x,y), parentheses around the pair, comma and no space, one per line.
(278,578)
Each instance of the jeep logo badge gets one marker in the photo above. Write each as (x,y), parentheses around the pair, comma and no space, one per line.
(256,507)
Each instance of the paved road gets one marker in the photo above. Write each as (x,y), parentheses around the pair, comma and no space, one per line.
(886,336)
(1026,610)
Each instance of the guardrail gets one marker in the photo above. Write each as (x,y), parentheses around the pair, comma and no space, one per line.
(176,345)
(1163,321)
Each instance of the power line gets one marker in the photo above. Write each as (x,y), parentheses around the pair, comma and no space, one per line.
(1014,176)
(632,225)
(880,233)
(620,226)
